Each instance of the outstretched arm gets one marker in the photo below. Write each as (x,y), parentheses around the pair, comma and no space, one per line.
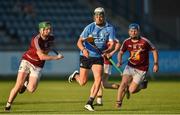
(45,56)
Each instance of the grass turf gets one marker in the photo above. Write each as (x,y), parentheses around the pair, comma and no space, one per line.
(60,97)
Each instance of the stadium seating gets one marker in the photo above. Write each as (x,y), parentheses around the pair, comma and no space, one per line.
(19,20)
(21,17)
(131,11)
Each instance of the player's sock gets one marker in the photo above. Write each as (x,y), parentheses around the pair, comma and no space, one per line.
(8,106)
(118,104)
(99,100)
(90,101)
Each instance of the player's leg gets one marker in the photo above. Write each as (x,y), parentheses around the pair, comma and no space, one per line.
(82,76)
(107,73)
(23,89)
(107,70)
(138,79)
(107,84)
(99,100)
(34,77)
(21,77)
(122,90)
(32,84)
(19,84)
(97,73)
(133,88)
(124,85)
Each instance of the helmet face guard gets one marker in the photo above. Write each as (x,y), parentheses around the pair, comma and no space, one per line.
(44,25)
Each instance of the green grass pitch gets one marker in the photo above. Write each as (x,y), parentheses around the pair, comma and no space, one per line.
(60,97)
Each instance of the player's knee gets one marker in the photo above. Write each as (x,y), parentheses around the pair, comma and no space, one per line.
(132,90)
(31,89)
(98,79)
(82,83)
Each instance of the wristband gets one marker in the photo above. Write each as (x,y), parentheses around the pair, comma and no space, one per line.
(155,63)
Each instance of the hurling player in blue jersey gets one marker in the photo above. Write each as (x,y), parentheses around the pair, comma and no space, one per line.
(102,33)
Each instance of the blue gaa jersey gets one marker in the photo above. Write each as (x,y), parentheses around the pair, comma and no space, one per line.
(101,36)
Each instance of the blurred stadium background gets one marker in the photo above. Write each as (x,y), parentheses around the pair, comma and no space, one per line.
(19,18)
(159,21)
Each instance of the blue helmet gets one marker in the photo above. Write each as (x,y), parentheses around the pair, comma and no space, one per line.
(134,26)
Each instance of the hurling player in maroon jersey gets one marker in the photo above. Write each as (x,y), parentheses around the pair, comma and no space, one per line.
(133,78)
(33,61)
(107,72)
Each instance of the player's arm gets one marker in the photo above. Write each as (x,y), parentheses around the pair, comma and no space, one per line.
(116,48)
(119,58)
(110,43)
(120,53)
(155,56)
(109,48)
(44,56)
(82,48)
(54,49)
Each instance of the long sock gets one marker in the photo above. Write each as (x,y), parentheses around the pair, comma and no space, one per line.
(99,99)
(90,101)
(8,104)
(118,104)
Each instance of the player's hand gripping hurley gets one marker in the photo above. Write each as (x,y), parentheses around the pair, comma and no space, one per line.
(58,53)
(90,43)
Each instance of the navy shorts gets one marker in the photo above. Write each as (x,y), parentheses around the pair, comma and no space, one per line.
(88,62)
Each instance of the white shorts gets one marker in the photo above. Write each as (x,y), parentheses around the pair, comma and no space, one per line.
(107,69)
(138,75)
(29,68)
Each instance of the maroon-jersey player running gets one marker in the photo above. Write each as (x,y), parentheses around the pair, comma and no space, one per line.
(32,62)
(133,78)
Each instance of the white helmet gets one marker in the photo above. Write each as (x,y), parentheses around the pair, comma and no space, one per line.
(99,10)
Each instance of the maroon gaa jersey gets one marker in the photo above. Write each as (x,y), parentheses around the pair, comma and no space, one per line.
(139,52)
(37,43)
(106,61)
